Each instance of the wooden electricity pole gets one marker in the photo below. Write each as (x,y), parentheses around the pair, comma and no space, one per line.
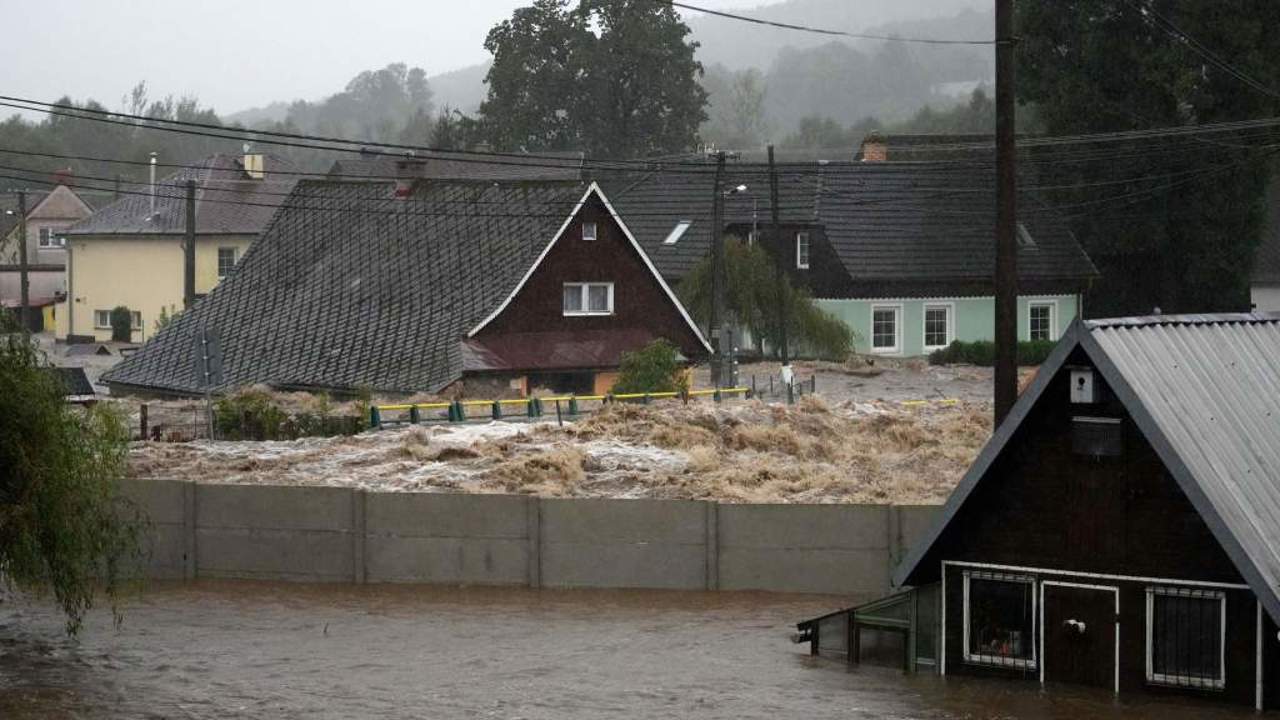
(24,284)
(779,269)
(1006,275)
(189,250)
(719,278)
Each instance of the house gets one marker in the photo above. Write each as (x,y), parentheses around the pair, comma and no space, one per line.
(902,252)
(130,253)
(433,286)
(1122,527)
(49,214)
(1264,286)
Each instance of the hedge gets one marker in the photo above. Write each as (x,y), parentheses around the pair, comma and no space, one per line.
(983,352)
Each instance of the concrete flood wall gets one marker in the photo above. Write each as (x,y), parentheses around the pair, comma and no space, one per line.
(324,534)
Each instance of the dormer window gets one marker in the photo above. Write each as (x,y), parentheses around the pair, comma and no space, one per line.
(802,251)
(588,231)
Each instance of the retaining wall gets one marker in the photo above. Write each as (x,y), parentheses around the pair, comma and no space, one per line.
(324,534)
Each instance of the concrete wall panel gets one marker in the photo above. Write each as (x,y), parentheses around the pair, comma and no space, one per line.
(300,555)
(268,507)
(453,561)
(445,515)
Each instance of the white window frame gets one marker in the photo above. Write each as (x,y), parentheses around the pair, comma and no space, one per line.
(677,232)
(589,231)
(1187,681)
(802,262)
(1033,641)
(99,325)
(897,328)
(950,309)
(1053,317)
(135,317)
(583,287)
(47,239)
(235,260)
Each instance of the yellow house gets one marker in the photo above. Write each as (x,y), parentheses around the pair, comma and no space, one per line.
(132,253)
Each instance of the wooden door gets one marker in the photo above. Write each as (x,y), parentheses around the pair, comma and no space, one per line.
(1079,634)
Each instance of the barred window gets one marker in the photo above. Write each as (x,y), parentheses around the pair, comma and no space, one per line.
(1185,632)
(999,620)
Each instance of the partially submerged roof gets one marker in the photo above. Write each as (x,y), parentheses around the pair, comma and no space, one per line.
(73,381)
(359,289)
(896,227)
(228,200)
(1205,392)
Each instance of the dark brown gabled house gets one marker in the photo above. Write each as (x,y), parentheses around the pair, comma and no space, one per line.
(440,286)
(1122,527)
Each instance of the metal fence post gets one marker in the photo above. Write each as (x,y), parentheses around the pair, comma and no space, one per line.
(497,410)
(375,418)
(414,417)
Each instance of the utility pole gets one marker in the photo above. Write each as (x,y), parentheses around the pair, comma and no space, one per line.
(1006,277)
(189,250)
(24,286)
(718,274)
(779,269)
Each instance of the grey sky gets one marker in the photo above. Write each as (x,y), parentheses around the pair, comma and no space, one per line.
(235,54)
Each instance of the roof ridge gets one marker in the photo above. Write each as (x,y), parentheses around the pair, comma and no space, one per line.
(1184,319)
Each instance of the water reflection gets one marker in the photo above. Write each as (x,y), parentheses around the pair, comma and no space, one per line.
(242,649)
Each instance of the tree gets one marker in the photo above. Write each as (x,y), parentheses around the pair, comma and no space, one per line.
(121,324)
(1094,66)
(753,292)
(736,117)
(555,84)
(65,527)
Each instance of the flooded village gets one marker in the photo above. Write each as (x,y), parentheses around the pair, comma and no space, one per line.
(642,358)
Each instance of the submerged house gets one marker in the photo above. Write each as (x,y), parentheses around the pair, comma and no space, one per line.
(413,286)
(1122,527)
(902,252)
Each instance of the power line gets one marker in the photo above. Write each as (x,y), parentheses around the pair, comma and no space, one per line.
(821,31)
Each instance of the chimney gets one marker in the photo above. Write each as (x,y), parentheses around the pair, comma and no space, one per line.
(409,170)
(253,164)
(153,186)
(874,148)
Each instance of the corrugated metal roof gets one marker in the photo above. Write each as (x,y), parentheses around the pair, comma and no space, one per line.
(1211,386)
(1205,392)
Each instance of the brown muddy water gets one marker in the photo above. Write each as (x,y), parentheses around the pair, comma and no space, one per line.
(269,650)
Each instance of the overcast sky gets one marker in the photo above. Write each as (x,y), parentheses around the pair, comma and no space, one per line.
(235,54)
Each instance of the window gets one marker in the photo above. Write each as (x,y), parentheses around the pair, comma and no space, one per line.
(588,298)
(1040,321)
(1024,237)
(884,328)
(937,326)
(226,261)
(588,231)
(49,238)
(999,619)
(1185,633)
(102,319)
(677,232)
(802,250)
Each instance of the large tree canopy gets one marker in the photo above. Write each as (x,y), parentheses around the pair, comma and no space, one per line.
(610,77)
(1180,235)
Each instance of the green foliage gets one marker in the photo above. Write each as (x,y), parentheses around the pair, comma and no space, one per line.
(1183,243)
(983,352)
(167,316)
(654,368)
(66,530)
(610,77)
(254,413)
(121,324)
(753,297)
(387,105)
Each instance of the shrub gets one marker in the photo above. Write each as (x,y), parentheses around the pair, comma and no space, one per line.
(654,368)
(167,317)
(254,414)
(983,352)
(121,324)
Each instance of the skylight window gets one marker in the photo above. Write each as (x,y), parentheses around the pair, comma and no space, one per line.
(677,232)
(1024,237)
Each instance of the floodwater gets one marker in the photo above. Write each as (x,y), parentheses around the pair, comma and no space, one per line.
(269,650)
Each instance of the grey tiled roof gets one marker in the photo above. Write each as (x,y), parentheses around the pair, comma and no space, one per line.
(351,288)
(890,223)
(227,201)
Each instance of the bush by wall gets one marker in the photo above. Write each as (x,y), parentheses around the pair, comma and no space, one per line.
(654,368)
(983,352)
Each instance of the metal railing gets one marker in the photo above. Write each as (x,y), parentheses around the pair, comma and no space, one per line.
(532,408)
